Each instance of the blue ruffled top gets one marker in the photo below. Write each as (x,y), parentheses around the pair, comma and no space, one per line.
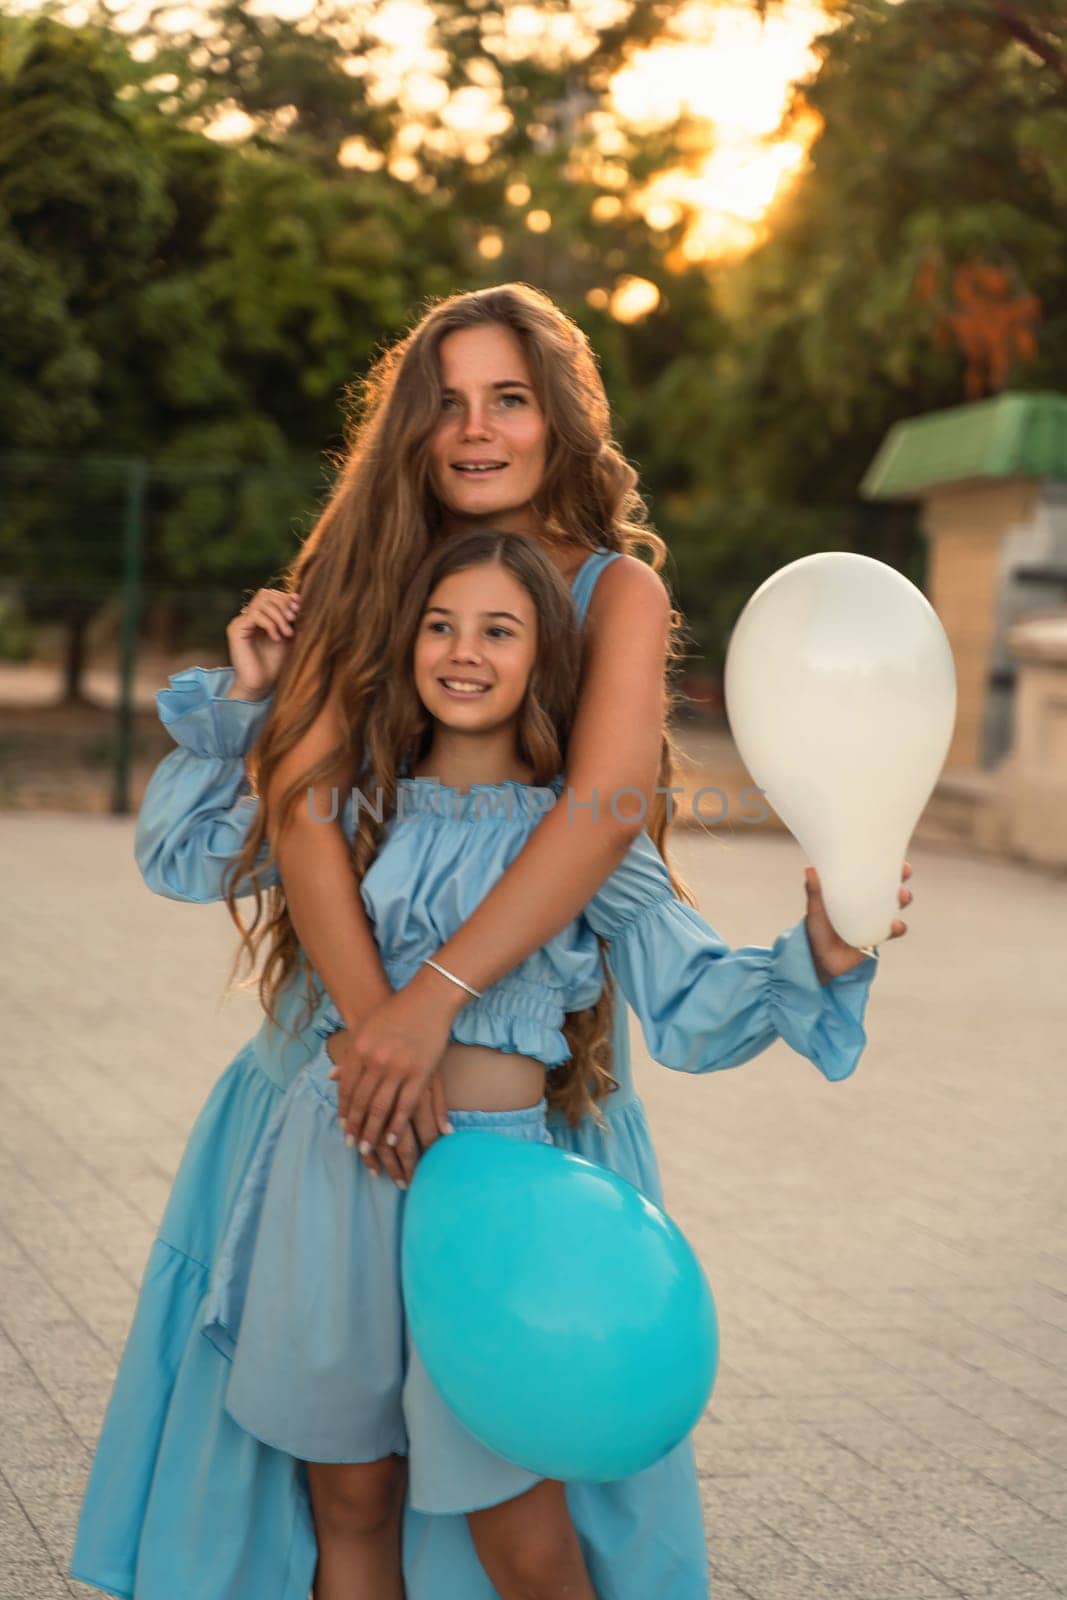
(439,856)
(702,1006)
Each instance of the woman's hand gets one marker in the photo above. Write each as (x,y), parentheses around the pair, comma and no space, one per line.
(384,1066)
(831,954)
(258,638)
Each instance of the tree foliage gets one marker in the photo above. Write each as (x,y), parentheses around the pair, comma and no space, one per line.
(943,146)
(203,303)
(916,264)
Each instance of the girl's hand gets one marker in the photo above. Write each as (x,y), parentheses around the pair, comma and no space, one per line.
(428,1122)
(831,954)
(258,638)
(386,1064)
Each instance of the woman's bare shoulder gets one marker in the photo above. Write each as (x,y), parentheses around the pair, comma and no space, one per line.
(625,589)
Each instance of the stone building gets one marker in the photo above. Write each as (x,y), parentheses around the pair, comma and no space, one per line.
(991,478)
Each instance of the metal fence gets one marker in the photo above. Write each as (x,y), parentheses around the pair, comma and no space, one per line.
(143,546)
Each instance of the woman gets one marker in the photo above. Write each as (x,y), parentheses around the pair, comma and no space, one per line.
(490,410)
(306,1295)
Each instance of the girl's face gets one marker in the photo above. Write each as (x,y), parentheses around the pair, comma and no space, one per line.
(477,634)
(490,417)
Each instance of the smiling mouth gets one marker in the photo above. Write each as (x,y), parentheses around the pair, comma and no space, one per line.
(467,691)
(479,472)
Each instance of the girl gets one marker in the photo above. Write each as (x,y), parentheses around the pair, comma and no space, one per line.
(476,711)
(180,1500)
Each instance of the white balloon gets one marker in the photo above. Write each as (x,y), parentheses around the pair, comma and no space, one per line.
(840,689)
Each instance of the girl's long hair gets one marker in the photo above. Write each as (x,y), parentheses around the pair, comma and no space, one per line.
(380,521)
(399,734)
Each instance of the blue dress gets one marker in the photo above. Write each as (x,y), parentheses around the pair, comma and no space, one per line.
(183,1501)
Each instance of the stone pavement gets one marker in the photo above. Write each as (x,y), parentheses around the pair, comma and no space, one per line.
(887,1254)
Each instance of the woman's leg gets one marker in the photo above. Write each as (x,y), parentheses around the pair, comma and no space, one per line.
(357,1508)
(529,1548)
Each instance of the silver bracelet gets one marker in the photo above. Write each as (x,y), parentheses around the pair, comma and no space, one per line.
(446,974)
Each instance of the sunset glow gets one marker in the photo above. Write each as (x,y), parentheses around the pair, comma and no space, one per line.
(717,63)
(727,68)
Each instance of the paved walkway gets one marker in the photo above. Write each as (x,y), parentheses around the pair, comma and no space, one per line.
(888,1255)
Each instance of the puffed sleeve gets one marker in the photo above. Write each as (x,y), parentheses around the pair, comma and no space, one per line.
(198,807)
(703,1006)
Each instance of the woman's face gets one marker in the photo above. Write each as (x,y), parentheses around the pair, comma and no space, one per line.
(478,632)
(490,417)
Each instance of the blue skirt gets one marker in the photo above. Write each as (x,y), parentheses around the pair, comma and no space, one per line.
(183,1501)
(306,1300)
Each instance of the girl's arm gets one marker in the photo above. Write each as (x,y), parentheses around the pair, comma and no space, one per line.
(327,912)
(613,756)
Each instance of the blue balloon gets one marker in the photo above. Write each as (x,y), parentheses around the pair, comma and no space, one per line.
(562,1315)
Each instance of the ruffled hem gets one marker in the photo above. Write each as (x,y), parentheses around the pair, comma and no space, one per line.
(513,1035)
(196,712)
(174,1477)
(515,1016)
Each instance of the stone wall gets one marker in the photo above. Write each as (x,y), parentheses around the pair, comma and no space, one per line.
(1035,777)
(966,524)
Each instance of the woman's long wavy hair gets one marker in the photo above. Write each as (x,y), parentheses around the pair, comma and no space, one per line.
(399,734)
(381,519)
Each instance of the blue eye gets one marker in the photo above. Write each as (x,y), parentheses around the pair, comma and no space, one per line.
(449,400)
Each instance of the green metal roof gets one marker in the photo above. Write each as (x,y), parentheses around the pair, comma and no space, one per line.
(1008,436)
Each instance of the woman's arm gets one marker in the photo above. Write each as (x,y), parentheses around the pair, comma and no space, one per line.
(703,1006)
(614,751)
(197,808)
(327,912)
(321,889)
(612,765)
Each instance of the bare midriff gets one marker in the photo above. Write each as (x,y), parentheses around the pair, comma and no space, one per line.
(476,1078)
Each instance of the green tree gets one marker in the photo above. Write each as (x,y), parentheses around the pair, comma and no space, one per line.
(944,140)
(173,299)
(943,143)
(274,273)
(82,208)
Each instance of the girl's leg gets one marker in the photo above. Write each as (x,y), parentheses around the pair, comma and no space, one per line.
(357,1509)
(529,1548)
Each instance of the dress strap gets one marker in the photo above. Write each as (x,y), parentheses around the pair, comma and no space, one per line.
(588,573)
